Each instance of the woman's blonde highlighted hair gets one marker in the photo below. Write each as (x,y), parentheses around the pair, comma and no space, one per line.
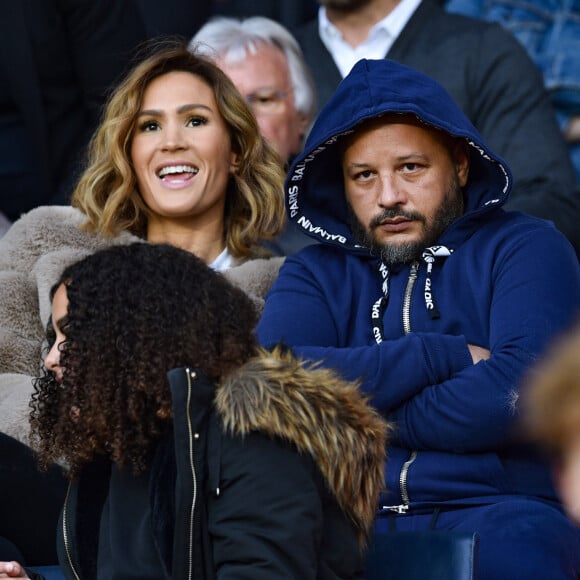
(107,192)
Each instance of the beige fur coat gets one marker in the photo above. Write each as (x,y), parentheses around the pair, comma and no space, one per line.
(33,253)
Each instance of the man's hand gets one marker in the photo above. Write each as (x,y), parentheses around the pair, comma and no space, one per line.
(12,570)
(478,353)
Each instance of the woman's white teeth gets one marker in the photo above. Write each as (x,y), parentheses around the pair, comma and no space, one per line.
(172,169)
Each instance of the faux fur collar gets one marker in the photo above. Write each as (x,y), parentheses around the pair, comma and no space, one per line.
(322,415)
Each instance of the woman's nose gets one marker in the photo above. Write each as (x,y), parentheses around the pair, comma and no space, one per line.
(174,138)
(52,359)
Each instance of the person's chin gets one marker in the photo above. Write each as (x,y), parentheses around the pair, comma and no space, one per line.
(399,249)
(396,239)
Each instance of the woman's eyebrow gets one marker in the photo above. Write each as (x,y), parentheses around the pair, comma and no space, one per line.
(182,109)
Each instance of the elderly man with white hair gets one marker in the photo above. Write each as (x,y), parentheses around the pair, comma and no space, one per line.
(266,64)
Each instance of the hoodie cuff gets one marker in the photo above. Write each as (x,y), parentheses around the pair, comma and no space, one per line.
(446,355)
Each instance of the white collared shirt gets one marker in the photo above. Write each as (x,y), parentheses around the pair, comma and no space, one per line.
(378,42)
(222,262)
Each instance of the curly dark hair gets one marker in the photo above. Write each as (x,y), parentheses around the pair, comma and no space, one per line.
(134,312)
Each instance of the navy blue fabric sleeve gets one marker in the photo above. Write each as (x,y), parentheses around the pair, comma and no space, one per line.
(476,409)
(297,313)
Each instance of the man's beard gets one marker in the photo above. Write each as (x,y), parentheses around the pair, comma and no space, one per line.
(344,5)
(391,253)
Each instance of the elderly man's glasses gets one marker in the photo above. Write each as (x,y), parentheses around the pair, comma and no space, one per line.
(267,102)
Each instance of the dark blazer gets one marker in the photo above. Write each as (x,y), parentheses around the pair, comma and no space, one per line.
(493,80)
(173,17)
(62,57)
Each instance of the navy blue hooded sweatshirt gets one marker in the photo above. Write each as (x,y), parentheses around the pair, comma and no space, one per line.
(501,280)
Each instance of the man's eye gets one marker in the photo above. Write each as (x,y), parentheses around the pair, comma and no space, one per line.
(366,174)
(267,102)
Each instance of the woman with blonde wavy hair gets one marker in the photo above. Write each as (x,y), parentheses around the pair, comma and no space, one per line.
(177,159)
(110,192)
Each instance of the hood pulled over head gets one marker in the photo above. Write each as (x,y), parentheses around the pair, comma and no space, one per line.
(314,189)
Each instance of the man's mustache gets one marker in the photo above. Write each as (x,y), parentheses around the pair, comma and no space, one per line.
(394,213)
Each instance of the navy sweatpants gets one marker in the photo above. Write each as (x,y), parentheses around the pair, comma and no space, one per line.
(520,538)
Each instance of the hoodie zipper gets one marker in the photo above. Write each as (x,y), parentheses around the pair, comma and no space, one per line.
(65,533)
(407,297)
(402,508)
(192,436)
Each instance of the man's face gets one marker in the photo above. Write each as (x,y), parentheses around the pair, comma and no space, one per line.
(264,79)
(403,185)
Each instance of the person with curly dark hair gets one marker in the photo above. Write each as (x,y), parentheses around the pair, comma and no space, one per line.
(191,452)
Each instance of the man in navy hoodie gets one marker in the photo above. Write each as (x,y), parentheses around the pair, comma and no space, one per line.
(438,301)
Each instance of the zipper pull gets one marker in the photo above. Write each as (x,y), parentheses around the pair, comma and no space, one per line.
(398,509)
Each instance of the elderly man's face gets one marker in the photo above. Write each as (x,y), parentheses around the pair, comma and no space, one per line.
(264,79)
(403,184)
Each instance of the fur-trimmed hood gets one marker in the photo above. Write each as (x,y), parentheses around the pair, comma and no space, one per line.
(319,413)
(33,254)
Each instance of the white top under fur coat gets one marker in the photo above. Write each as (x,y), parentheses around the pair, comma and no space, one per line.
(33,253)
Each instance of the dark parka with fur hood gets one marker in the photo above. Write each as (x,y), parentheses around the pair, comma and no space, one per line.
(274,474)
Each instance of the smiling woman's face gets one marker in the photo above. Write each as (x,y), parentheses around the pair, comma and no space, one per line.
(181,150)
